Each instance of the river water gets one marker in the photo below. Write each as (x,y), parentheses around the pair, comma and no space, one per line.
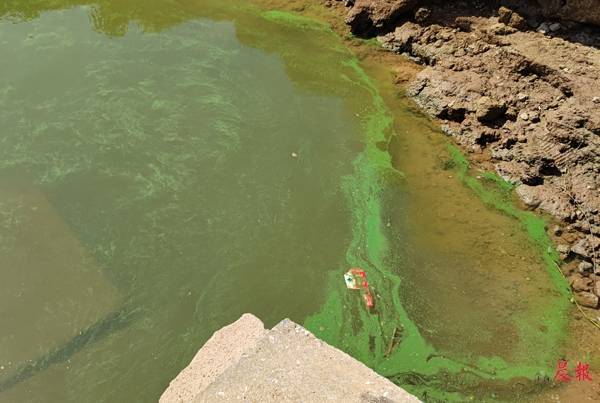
(166,166)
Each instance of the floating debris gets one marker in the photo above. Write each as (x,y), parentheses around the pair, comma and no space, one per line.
(356,279)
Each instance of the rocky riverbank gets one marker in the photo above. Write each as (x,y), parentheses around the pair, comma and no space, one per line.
(519,89)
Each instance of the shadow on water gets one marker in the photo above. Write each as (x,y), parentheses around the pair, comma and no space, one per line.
(114,322)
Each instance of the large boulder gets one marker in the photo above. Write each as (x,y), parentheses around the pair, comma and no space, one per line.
(370,16)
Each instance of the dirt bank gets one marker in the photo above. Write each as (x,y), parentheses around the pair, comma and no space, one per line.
(521,94)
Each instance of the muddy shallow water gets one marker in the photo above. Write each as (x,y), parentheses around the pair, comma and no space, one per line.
(166,167)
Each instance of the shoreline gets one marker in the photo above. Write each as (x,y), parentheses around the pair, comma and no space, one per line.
(416,346)
(367,338)
(549,151)
(581,338)
(538,171)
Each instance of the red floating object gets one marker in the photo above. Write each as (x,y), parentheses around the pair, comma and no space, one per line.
(356,279)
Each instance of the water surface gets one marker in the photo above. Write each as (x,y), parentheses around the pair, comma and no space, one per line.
(166,166)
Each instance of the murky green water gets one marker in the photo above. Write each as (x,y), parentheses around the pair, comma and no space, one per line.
(149,196)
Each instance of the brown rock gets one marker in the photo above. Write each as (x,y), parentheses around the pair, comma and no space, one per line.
(489,110)
(511,18)
(557,230)
(465,24)
(529,196)
(588,299)
(405,35)
(585,267)
(583,248)
(501,29)
(550,201)
(580,283)
(422,14)
(369,16)
(504,14)
(517,22)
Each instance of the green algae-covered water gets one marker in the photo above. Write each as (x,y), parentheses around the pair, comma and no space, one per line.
(166,166)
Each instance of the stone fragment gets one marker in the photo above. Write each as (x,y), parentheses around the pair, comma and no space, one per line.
(585,267)
(517,22)
(405,35)
(555,27)
(587,299)
(529,196)
(489,110)
(534,117)
(511,18)
(501,29)
(543,28)
(422,14)
(580,283)
(504,15)
(582,248)
(556,230)
(464,24)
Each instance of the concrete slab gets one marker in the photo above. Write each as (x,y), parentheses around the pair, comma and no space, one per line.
(222,351)
(243,362)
